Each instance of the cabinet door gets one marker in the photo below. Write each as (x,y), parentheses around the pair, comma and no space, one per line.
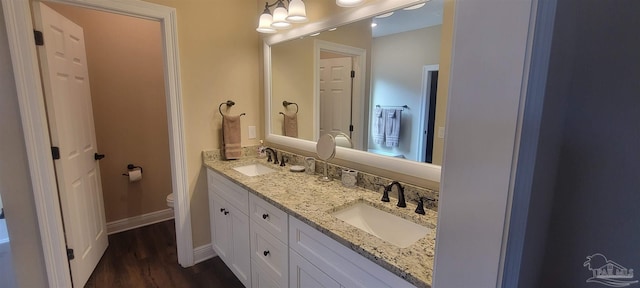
(304,275)
(220,237)
(241,249)
(261,278)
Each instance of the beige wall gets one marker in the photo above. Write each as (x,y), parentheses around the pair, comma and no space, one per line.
(15,183)
(446,45)
(129,108)
(397,64)
(219,60)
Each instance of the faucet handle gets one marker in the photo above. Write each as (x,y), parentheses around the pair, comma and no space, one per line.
(420,208)
(385,194)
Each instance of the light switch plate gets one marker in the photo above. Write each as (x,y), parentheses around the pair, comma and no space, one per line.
(441,132)
(252,132)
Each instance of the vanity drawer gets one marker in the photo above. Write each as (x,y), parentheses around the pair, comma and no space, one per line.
(269,254)
(229,191)
(269,217)
(344,265)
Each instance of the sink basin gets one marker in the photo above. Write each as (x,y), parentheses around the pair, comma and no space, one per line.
(254,169)
(386,226)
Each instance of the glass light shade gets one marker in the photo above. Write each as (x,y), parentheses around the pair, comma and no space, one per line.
(280,18)
(348,3)
(264,25)
(297,12)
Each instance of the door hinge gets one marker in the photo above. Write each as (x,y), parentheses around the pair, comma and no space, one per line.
(351,128)
(38,37)
(353,74)
(55,152)
(70,254)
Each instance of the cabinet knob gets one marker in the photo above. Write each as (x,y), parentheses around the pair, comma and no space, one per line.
(266,253)
(265,216)
(222,209)
(226,212)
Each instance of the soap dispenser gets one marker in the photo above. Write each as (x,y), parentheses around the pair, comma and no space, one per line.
(262,153)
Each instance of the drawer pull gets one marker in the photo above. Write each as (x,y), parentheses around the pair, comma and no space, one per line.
(265,216)
(266,253)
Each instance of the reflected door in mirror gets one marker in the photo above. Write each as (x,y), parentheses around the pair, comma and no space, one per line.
(335,95)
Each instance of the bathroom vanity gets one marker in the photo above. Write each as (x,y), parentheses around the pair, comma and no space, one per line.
(277,229)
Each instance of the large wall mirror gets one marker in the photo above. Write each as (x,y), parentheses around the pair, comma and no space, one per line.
(372,83)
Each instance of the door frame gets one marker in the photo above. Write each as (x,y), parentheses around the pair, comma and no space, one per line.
(359,57)
(34,121)
(425,92)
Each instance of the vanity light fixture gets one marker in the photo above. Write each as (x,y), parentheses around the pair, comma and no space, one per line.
(281,18)
(348,3)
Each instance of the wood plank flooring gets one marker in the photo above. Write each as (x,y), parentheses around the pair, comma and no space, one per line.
(147,257)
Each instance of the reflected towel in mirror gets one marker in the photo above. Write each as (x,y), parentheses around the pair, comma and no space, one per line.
(291,125)
(392,127)
(378,125)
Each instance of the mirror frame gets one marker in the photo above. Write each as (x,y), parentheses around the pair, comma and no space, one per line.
(397,165)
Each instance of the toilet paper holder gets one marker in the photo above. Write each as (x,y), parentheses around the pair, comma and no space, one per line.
(131,167)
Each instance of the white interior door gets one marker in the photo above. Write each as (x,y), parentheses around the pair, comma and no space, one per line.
(68,99)
(335,95)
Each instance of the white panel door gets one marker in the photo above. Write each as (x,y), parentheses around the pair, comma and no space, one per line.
(68,99)
(335,95)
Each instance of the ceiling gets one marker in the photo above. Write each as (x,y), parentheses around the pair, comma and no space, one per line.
(407,20)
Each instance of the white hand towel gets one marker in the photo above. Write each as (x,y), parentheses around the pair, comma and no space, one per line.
(392,127)
(378,125)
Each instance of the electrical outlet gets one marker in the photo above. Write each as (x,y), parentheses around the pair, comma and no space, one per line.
(252,132)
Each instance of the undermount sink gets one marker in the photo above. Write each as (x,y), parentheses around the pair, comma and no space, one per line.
(386,226)
(254,169)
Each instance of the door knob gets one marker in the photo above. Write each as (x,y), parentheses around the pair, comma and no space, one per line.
(98,156)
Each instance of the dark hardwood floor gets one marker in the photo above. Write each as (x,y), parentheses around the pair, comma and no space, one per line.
(147,257)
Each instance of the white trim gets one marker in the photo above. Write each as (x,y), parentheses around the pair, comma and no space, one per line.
(203,253)
(424,107)
(139,221)
(544,13)
(396,165)
(34,122)
(359,57)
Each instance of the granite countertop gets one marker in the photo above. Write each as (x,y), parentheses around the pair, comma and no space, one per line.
(305,197)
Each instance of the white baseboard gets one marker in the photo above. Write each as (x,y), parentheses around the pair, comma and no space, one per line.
(139,221)
(202,253)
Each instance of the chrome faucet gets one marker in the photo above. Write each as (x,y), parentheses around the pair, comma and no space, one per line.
(271,152)
(385,195)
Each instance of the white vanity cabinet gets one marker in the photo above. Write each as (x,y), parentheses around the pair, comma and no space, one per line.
(230,225)
(269,248)
(327,263)
(265,247)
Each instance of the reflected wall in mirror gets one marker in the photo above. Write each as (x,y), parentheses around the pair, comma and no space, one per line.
(395,64)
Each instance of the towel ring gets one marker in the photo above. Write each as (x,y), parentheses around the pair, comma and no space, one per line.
(286,104)
(229,103)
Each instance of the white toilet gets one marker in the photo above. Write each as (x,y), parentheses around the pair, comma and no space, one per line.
(170,200)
